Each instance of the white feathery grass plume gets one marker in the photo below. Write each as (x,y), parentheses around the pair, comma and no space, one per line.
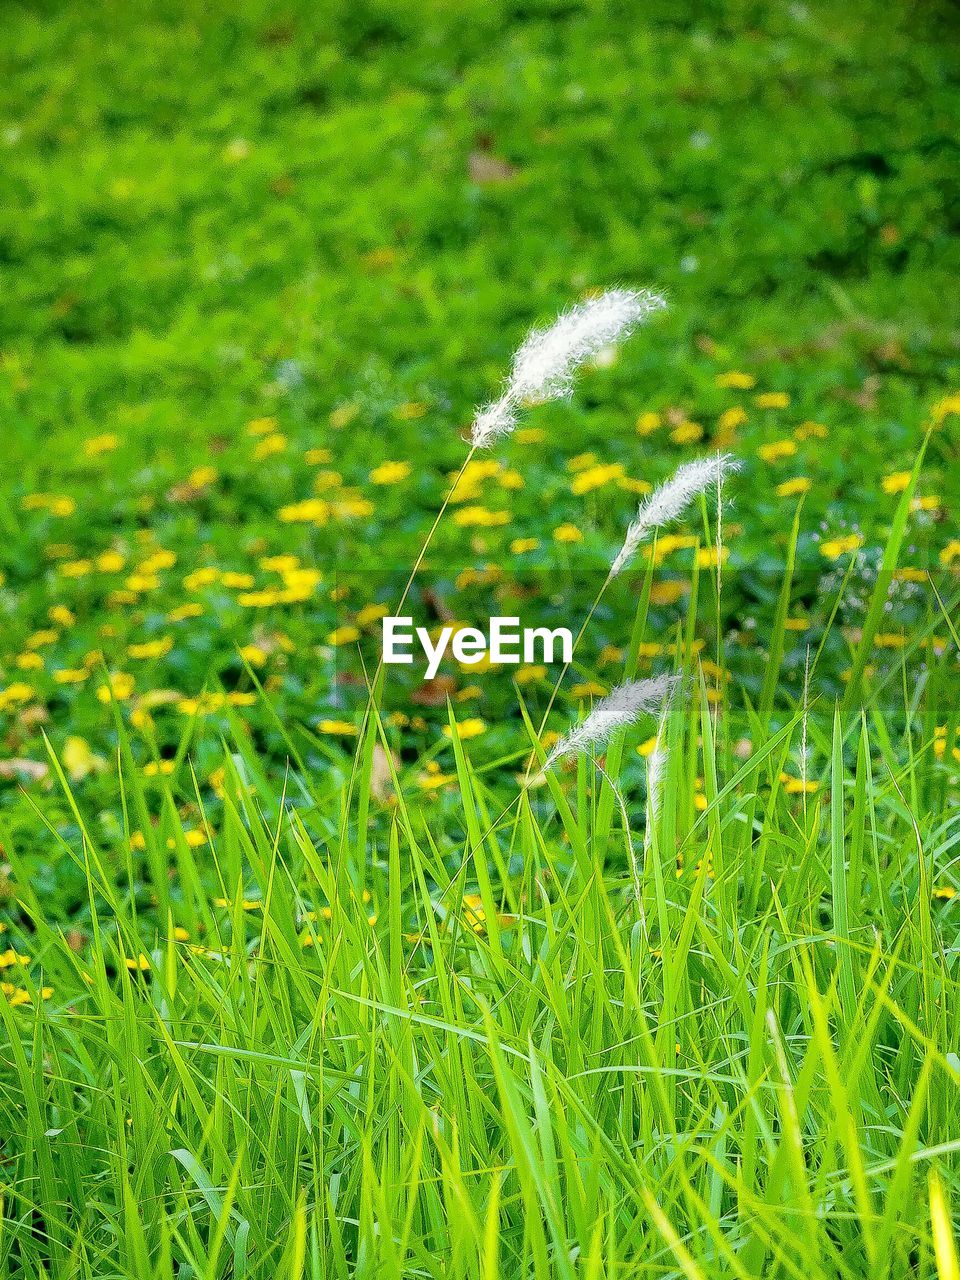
(622,706)
(669,500)
(544,366)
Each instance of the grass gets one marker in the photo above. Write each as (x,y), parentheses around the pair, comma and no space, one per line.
(300,978)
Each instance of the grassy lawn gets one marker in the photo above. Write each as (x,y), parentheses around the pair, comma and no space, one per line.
(305,971)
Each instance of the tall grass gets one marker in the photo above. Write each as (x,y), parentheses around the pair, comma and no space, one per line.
(492,1048)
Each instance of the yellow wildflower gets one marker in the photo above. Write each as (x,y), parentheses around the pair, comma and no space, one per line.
(793,488)
(735,380)
(390,472)
(776,450)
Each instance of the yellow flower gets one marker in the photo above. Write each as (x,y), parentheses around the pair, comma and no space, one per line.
(41,638)
(237,581)
(390,472)
(510,479)
(157,768)
(317,457)
(567,533)
(596,477)
(471,728)
(203,577)
(526,675)
(588,689)
(771,400)
(519,546)
(834,548)
(669,592)
(343,635)
(707,557)
(338,728)
(160,560)
(944,408)
(10,958)
(811,431)
(647,748)
(926,502)
(351,507)
(326,480)
(732,418)
(61,615)
(309,511)
(648,422)
(261,426)
(371,613)
(184,611)
(896,482)
(76,568)
(687,433)
(431,779)
(634,486)
(776,450)
(793,488)
(120,683)
(201,477)
(950,552)
(253,654)
(258,599)
(71,675)
(97,445)
(796,624)
(530,435)
(140,965)
(280,564)
(735,380)
(480,518)
(581,462)
(15,693)
(798,786)
(945,892)
(30,662)
(151,648)
(270,445)
(343,415)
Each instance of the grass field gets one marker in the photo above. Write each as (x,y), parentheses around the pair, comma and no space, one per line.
(304,971)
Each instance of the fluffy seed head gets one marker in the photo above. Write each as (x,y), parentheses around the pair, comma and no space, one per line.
(622,706)
(668,502)
(544,366)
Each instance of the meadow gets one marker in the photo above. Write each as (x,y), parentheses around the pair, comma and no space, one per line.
(309,967)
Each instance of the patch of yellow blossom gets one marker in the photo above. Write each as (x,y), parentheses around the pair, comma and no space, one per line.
(776,450)
(471,728)
(834,548)
(97,445)
(595,477)
(896,482)
(687,433)
(390,472)
(794,488)
(771,400)
(648,423)
(54,503)
(735,380)
(567,533)
(338,728)
(477,517)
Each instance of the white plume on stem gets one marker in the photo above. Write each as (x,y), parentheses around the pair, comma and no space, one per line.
(622,706)
(668,502)
(544,366)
